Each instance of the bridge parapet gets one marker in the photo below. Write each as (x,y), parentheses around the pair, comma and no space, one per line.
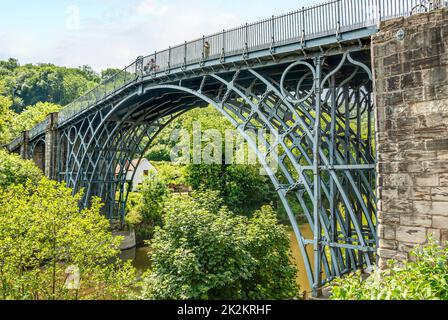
(16,143)
(334,20)
(39,129)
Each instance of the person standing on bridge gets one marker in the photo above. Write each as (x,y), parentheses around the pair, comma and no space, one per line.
(206,50)
(152,66)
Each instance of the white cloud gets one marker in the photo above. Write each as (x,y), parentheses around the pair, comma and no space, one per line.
(119,35)
(151,7)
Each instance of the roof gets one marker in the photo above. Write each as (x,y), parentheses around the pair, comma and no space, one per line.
(130,166)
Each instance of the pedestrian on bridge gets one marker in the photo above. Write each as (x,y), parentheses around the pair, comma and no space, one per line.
(206,50)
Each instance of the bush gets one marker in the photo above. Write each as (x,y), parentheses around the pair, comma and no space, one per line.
(15,170)
(43,234)
(204,251)
(146,207)
(425,278)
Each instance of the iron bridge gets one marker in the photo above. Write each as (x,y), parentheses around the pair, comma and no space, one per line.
(305,75)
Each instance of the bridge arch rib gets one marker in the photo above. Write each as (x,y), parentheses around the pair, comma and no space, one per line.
(320,110)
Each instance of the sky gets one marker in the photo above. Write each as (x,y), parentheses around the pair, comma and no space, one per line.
(112,33)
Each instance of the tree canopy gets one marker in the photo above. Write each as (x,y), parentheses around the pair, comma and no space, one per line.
(204,251)
(44,237)
(29,84)
(14,170)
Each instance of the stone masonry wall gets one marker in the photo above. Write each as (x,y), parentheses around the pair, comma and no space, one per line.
(51,147)
(411,89)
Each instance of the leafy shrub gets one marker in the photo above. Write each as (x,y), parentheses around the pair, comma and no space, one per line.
(15,170)
(424,278)
(204,251)
(43,233)
(146,207)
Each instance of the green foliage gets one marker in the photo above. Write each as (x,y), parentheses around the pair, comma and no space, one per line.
(108,73)
(15,170)
(146,208)
(424,278)
(204,251)
(43,232)
(171,174)
(6,117)
(31,116)
(234,183)
(29,84)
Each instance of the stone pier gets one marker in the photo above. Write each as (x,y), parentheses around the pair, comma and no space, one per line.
(410,62)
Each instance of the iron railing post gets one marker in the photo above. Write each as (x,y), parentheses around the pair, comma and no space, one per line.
(379,12)
(223,52)
(203,49)
(317,201)
(272,34)
(185,55)
(302,38)
(338,23)
(246,45)
(169,59)
(155,62)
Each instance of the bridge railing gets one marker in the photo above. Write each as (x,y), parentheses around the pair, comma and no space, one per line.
(106,88)
(15,144)
(329,18)
(38,129)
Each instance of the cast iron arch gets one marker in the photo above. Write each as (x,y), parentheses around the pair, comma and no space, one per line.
(325,163)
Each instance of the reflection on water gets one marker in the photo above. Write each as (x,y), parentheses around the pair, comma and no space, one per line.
(140,259)
(302,278)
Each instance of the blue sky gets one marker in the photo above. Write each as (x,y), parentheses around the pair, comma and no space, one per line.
(112,33)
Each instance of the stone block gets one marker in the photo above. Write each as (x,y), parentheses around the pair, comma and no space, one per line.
(439,222)
(420,194)
(388,244)
(430,208)
(440,194)
(415,220)
(387,232)
(444,180)
(415,235)
(444,237)
(426,180)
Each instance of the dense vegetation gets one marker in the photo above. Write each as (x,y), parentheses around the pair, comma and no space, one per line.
(204,251)
(45,237)
(231,180)
(28,93)
(425,277)
(29,84)
(14,170)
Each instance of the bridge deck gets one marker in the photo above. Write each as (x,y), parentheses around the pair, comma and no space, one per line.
(332,22)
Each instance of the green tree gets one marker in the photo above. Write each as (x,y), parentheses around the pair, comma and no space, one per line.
(423,278)
(29,84)
(43,235)
(14,170)
(6,117)
(204,251)
(147,207)
(232,181)
(31,116)
(108,73)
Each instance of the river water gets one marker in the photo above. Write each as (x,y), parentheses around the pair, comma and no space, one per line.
(140,259)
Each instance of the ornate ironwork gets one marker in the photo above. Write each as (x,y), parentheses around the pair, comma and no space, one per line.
(321,110)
